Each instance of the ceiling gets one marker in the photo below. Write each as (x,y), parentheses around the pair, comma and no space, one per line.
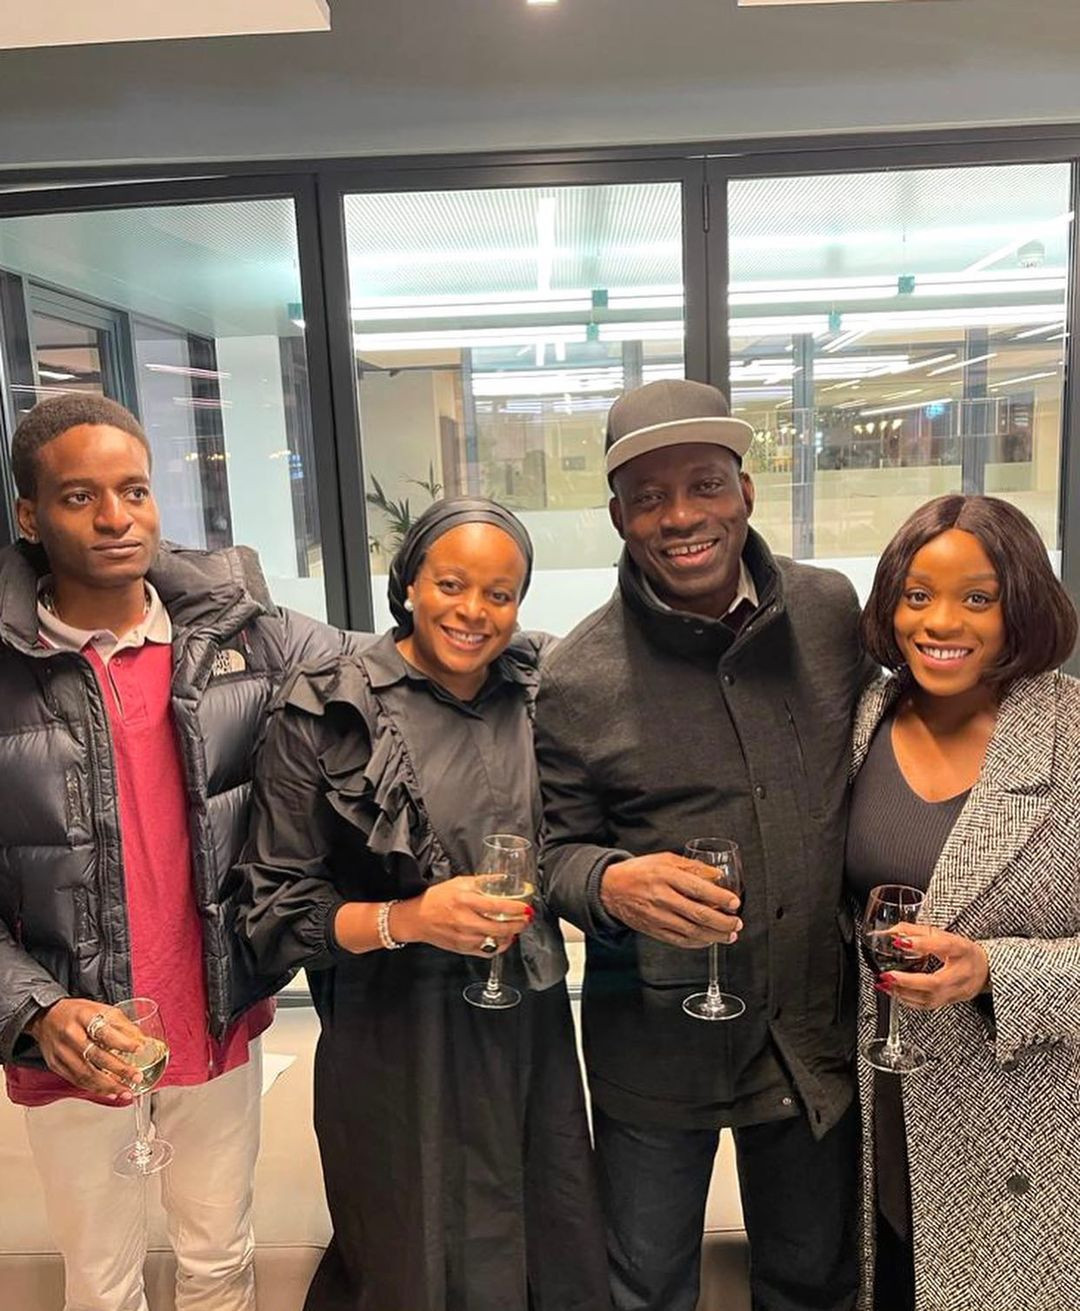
(470,75)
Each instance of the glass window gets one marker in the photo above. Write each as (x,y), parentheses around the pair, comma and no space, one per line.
(191,316)
(895,336)
(493,329)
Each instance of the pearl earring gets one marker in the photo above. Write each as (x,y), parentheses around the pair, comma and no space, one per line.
(409,604)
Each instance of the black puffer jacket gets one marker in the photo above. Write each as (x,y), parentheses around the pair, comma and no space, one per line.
(63,921)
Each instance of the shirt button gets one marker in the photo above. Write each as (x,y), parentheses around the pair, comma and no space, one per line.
(1018,1184)
(787,1101)
(759,792)
(698,631)
(729,679)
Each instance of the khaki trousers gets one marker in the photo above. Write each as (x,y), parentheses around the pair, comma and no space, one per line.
(99,1220)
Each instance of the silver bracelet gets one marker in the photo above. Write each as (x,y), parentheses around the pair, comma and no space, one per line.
(382,924)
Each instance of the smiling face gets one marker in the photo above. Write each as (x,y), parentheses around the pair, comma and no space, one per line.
(465,604)
(93,511)
(683,511)
(948,623)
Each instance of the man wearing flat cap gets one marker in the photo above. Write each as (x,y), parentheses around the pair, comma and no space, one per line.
(711,697)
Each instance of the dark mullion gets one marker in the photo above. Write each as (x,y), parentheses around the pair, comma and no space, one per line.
(321,336)
(346,452)
(718,275)
(1069,502)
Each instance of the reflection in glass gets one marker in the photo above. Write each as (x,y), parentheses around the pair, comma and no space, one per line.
(493,329)
(896,336)
(191,316)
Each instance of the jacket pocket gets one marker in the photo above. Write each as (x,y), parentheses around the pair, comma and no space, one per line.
(847,974)
(86,937)
(812,789)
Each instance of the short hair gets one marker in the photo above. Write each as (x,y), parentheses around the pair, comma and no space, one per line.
(1040,619)
(54,416)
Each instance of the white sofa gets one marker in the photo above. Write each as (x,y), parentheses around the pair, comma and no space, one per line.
(290,1218)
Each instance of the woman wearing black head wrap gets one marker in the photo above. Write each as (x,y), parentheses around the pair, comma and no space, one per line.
(454,1143)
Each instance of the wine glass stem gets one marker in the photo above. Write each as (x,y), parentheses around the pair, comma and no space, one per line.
(893,1045)
(494,982)
(714,972)
(141,1152)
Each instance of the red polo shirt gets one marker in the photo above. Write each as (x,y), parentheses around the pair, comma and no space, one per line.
(135,676)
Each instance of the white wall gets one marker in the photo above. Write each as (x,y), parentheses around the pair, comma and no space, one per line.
(449,75)
(260,496)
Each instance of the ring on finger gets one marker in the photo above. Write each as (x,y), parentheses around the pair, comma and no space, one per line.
(95,1026)
(489,946)
(90,1046)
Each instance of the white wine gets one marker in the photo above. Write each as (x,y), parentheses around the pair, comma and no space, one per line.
(505,885)
(150,1059)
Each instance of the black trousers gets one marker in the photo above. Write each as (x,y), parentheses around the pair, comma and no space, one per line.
(799,1198)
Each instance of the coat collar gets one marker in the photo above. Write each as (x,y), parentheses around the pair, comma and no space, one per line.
(215,592)
(692,635)
(1010,799)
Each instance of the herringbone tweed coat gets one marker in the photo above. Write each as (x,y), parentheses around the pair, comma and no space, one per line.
(993,1124)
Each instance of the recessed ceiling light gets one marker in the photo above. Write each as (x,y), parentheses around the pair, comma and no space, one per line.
(541,2)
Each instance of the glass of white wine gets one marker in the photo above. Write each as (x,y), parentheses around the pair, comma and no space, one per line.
(507,869)
(145,1155)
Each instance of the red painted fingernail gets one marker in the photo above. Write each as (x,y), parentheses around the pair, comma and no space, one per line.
(902,942)
(884,985)
(530,914)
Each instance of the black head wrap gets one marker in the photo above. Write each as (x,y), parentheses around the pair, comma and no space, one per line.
(436,520)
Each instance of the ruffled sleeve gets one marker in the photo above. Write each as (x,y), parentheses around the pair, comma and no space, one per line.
(378,792)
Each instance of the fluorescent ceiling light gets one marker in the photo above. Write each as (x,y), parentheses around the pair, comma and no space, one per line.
(186,372)
(915,364)
(1046,281)
(1034,332)
(54,375)
(962,364)
(520,302)
(1039,230)
(73,22)
(1027,377)
(896,409)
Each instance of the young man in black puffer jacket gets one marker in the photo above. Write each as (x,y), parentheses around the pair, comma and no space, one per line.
(134,682)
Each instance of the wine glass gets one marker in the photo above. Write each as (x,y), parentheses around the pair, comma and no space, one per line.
(723,855)
(144,1156)
(507,869)
(888,908)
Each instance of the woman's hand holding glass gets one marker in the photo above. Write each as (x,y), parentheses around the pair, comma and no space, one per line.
(964,972)
(888,939)
(455,916)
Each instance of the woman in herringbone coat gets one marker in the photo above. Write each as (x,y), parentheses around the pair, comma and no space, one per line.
(966,768)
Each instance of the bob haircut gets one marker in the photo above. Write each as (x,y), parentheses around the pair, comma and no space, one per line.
(1040,619)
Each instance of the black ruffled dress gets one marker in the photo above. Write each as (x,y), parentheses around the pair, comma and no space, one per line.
(454,1142)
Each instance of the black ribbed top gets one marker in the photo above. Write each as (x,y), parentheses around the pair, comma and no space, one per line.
(894,836)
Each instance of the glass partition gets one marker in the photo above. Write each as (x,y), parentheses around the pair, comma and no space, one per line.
(895,336)
(191,316)
(492,331)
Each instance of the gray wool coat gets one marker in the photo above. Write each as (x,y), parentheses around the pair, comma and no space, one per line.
(993,1124)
